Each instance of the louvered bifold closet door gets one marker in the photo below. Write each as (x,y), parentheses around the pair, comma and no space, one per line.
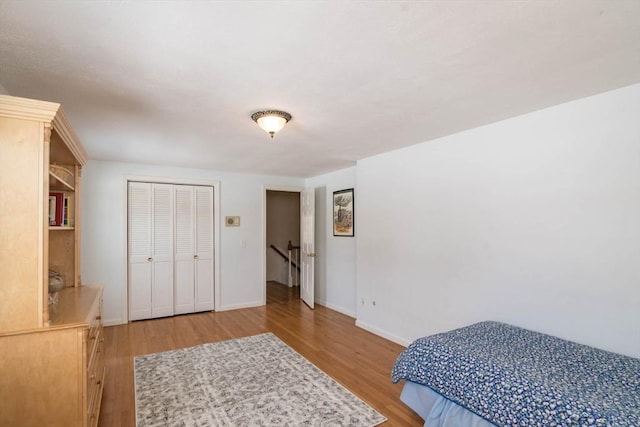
(204,266)
(162,244)
(139,237)
(150,229)
(185,250)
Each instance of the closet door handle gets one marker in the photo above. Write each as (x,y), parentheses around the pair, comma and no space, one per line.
(149,259)
(195,257)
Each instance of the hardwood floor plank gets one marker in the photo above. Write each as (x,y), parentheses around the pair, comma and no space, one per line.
(357,359)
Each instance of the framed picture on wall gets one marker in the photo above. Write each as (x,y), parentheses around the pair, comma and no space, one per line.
(343,215)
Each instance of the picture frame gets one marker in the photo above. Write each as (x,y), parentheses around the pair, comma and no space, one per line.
(343,213)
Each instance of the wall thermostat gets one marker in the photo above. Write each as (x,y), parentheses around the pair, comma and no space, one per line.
(232,221)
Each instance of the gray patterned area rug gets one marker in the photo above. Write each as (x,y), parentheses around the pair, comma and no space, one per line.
(252,381)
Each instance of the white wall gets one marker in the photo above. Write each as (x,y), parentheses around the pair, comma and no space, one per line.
(335,269)
(104,231)
(533,221)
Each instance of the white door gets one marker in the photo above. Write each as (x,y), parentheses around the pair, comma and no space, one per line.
(307,245)
(194,249)
(203,257)
(150,250)
(162,257)
(184,273)
(139,236)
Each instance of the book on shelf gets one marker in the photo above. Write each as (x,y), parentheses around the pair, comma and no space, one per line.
(61,209)
(56,207)
(68,217)
(52,209)
(65,211)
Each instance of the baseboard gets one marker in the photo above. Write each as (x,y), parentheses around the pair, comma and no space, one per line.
(113,322)
(336,308)
(384,334)
(238,306)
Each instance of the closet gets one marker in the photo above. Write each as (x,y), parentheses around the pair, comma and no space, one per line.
(170,235)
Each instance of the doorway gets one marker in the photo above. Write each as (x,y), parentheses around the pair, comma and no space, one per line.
(282,245)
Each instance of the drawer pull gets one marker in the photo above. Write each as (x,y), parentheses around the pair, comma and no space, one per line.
(98,317)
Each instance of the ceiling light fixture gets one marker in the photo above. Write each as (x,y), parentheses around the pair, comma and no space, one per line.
(271,120)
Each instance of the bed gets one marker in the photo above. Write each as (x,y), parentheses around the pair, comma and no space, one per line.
(491,373)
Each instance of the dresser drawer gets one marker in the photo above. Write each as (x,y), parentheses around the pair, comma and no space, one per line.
(95,379)
(96,362)
(95,371)
(95,367)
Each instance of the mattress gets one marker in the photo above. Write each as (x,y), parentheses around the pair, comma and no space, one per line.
(513,376)
(438,411)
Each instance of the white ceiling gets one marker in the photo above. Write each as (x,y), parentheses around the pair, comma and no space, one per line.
(175,83)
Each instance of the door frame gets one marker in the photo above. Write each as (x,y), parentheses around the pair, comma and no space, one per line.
(265,189)
(216,231)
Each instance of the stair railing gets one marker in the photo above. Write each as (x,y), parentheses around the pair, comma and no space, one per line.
(294,266)
(296,251)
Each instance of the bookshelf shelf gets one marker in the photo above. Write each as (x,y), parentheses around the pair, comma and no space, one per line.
(60,228)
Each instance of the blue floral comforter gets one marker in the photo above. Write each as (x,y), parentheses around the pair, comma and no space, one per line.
(516,377)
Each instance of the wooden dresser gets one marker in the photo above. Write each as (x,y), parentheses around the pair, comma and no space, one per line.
(51,354)
(54,376)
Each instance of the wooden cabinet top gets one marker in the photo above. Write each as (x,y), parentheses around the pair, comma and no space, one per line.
(76,307)
(47,112)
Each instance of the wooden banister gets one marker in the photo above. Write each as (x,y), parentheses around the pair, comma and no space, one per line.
(291,247)
(286,258)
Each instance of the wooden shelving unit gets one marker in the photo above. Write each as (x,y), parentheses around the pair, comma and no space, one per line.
(52,371)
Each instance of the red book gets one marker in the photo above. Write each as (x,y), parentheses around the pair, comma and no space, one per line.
(59,207)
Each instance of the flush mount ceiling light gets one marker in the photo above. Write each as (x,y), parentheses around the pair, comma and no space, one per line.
(271,120)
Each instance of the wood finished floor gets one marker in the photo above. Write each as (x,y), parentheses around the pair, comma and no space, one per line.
(357,359)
